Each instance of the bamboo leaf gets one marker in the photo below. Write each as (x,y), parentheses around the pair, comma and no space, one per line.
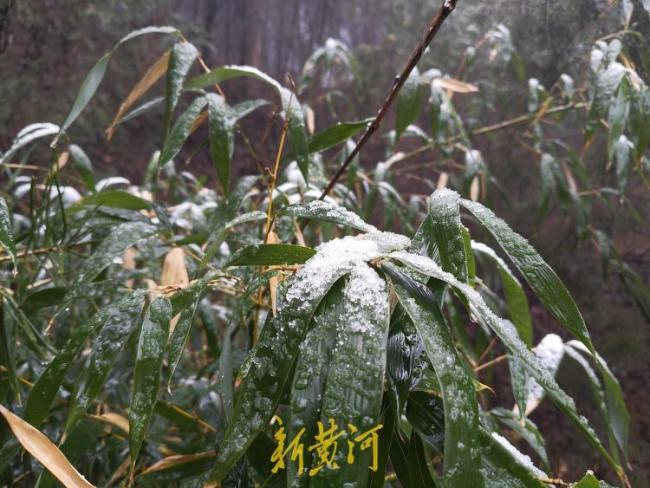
(408,103)
(515,295)
(273,356)
(95,76)
(293,112)
(6,231)
(146,375)
(447,230)
(222,137)
(484,314)
(271,255)
(180,131)
(335,134)
(118,321)
(328,212)
(458,395)
(310,377)
(27,135)
(44,451)
(153,74)
(617,416)
(355,380)
(182,56)
(173,469)
(539,275)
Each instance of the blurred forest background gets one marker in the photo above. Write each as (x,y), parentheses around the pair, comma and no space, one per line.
(46,47)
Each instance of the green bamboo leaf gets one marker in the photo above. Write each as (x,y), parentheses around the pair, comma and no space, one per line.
(46,387)
(120,238)
(617,416)
(355,381)
(293,113)
(425,413)
(618,113)
(274,354)
(121,321)
(271,255)
(222,137)
(408,103)
(547,177)
(181,59)
(146,375)
(176,469)
(96,75)
(27,135)
(327,212)
(505,467)
(82,163)
(225,215)
(447,230)
(6,231)
(115,199)
(310,375)
(539,275)
(623,155)
(179,338)
(180,131)
(459,398)
(419,472)
(525,429)
(484,314)
(140,109)
(335,134)
(515,295)
(589,480)
(639,116)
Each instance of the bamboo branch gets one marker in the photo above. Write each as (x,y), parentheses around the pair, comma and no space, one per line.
(446,9)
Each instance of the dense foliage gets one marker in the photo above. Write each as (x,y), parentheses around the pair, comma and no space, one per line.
(170,333)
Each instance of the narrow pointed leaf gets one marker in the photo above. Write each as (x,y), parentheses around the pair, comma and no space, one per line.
(542,279)
(355,381)
(120,322)
(222,137)
(271,255)
(618,417)
(458,395)
(27,135)
(180,131)
(484,314)
(6,231)
(44,451)
(146,375)
(515,295)
(183,55)
(153,74)
(310,378)
(275,352)
(447,230)
(96,75)
(335,134)
(408,103)
(328,212)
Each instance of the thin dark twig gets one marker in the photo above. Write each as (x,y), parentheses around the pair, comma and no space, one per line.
(447,8)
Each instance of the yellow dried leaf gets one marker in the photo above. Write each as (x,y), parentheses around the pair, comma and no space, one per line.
(113,419)
(173,461)
(475,189)
(174,273)
(44,451)
(153,74)
(443,179)
(455,86)
(274,281)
